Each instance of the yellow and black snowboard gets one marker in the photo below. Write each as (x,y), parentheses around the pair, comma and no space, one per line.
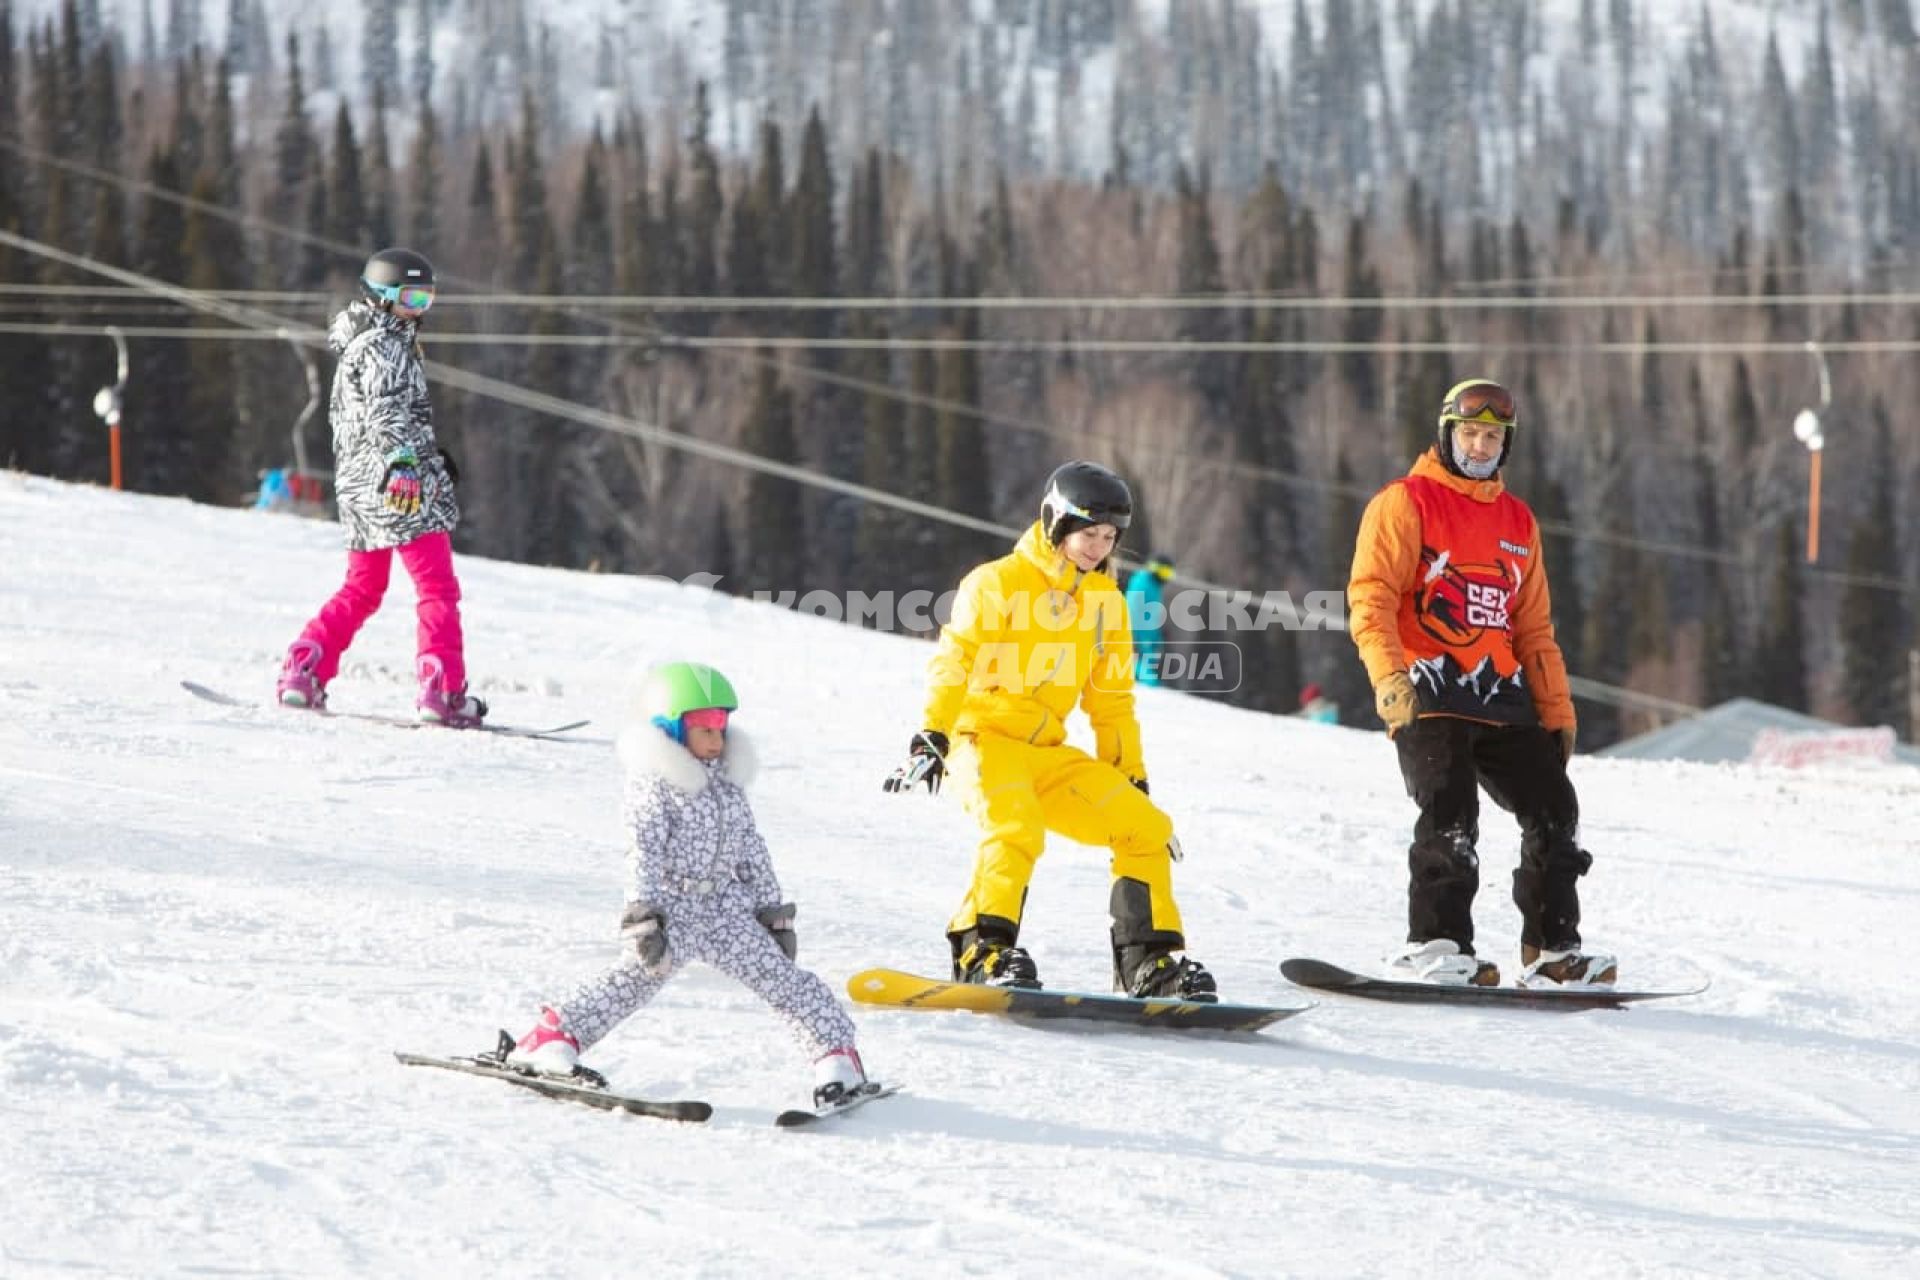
(911,991)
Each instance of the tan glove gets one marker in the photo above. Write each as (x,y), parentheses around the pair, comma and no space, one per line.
(1394,701)
(1564,735)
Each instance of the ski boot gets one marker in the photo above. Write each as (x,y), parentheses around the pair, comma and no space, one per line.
(298,686)
(1440,960)
(837,1076)
(548,1050)
(454,708)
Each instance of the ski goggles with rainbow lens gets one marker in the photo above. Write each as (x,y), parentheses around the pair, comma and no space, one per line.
(414,297)
(706,718)
(1479,401)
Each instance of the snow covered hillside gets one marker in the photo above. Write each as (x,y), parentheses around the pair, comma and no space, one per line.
(216,926)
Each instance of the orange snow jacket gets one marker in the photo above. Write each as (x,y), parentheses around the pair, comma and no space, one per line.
(1448,585)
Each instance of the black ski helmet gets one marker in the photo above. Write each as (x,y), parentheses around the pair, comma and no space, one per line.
(1081,494)
(1476,400)
(388,269)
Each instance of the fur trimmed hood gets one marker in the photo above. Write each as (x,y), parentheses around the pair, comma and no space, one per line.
(646,749)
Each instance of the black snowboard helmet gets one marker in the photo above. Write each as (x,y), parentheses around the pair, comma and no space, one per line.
(1081,494)
(1476,400)
(391,270)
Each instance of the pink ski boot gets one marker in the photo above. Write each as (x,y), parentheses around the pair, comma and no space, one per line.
(549,1048)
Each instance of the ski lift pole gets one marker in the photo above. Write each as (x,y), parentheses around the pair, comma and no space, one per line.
(107,402)
(1806,426)
(313,404)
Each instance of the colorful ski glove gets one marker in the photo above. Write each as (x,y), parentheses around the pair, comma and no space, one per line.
(1565,736)
(1394,700)
(926,762)
(645,930)
(401,483)
(778,920)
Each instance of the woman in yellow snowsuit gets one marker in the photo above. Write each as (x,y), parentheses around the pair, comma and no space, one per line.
(1031,635)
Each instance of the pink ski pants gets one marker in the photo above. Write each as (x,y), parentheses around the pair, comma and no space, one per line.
(429,561)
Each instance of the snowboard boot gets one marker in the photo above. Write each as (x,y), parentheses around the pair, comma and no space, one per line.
(997,964)
(1142,970)
(298,686)
(437,704)
(836,1077)
(1566,967)
(549,1049)
(1441,960)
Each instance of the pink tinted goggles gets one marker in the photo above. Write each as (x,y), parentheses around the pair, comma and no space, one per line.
(705,718)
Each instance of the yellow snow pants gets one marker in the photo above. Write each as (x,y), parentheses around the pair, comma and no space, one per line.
(1018,792)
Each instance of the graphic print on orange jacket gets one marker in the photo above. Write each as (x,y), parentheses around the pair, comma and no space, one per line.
(1448,586)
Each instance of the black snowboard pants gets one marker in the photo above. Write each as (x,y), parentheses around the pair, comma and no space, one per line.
(1445,761)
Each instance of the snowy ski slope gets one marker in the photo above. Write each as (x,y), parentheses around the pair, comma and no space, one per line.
(216,925)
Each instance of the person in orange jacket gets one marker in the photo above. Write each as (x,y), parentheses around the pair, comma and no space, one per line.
(1032,635)
(1448,605)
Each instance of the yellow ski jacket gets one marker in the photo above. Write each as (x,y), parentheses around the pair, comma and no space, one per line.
(1032,634)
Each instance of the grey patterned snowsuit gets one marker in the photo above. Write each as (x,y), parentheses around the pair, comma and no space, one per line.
(694,853)
(379,406)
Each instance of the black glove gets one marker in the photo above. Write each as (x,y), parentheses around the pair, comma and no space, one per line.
(778,920)
(645,930)
(1142,784)
(926,762)
(1563,737)
(446,461)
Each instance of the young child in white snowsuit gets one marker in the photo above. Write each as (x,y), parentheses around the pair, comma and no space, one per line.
(700,886)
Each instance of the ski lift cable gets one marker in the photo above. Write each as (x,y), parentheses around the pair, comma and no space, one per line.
(1677,550)
(1046,302)
(1098,346)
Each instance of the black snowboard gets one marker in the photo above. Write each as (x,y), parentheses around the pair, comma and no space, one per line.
(557,1087)
(1321,976)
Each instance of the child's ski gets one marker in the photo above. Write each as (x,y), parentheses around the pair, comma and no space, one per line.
(556,732)
(579,1089)
(871,1091)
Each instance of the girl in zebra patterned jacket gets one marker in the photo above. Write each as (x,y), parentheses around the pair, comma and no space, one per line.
(700,886)
(394,486)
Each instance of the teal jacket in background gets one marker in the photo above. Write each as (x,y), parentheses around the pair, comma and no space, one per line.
(1144,589)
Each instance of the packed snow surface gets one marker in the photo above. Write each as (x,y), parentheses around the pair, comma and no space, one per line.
(216,926)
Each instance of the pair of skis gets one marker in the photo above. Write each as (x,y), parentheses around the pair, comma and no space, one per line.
(590,1088)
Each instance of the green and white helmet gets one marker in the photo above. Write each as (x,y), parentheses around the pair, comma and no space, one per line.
(672,689)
